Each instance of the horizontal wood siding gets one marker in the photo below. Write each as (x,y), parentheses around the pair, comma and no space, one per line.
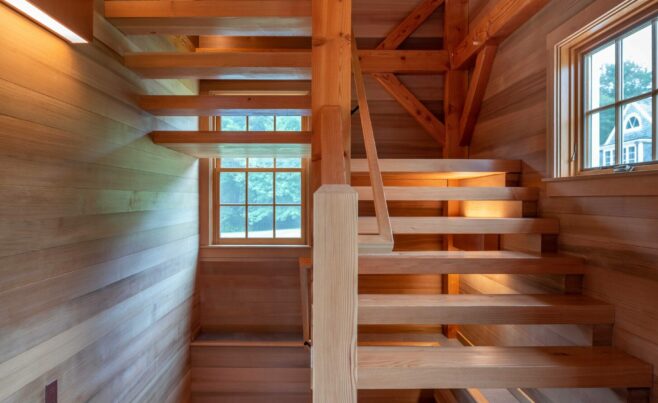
(617,235)
(98,226)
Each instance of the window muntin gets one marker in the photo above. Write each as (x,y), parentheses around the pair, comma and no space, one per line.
(620,92)
(260,200)
(258,123)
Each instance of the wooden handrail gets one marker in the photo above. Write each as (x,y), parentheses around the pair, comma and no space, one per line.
(376,181)
(335,294)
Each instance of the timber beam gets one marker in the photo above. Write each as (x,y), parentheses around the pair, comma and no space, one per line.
(212,105)
(475,95)
(394,86)
(498,24)
(292,64)
(211,17)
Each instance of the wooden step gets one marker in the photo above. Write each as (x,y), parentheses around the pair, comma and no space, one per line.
(251,380)
(441,168)
(250,398)
(483,309)
(458,262)
(431,193)
(209,355)
(499,367)
(463,225)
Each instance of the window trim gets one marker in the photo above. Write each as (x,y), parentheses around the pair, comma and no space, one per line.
(217,240)
(601,22)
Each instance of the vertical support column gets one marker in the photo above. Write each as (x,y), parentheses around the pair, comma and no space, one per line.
(455,89)
(335,282)
(456,81)
(332,75)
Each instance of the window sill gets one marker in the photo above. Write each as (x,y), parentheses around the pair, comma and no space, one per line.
(214,252)
(626,184)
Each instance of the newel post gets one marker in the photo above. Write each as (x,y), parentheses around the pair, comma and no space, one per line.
(335,281)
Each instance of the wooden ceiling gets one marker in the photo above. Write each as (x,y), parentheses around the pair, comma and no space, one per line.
(401,50)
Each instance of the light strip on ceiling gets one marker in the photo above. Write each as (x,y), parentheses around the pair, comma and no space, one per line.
(44,19)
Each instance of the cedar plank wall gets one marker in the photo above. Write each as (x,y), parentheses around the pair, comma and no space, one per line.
(98,226)
(617,235)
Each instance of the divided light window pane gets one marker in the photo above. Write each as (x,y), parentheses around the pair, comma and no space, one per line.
(637,56)
(601,138)
(288,123)
(602,77)
(637,130)
(233,123)
(261,123)
(261,222)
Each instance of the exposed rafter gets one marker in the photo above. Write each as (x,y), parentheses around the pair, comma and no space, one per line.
(498,24)
(211,17)
(209,105)
(395,87)
(476,90)
(291,64)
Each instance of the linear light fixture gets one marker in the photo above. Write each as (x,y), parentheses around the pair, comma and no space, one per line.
(38,15)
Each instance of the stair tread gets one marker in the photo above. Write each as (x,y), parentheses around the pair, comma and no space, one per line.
(208,339)
(477,262)
(435,193)
(483,309)
(499,367)
(409,165)
(463,225)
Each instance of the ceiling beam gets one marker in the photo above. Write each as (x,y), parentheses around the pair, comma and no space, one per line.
(255,87)
(206,8)
(275,64)
(475,95)
(404,61)
(500,22)
(211,17)
(223,64)
(224,137)
(211,105)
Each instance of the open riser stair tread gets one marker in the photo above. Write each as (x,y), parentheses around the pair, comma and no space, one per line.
(499,367)
(483,309)
(477,262)
(463,225)
(434,193)
(437,166)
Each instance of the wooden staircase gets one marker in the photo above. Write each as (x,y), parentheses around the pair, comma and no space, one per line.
(396,367)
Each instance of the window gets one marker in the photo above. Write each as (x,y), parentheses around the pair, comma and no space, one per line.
(260,200)
(620,87)
(260,123)
(605,89)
